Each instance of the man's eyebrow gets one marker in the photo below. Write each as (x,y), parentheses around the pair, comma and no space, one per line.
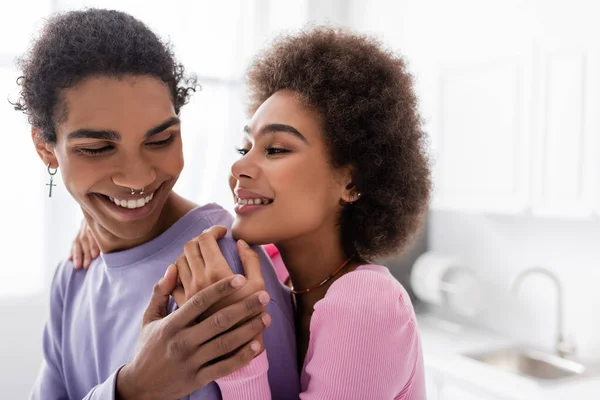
(165,125)
(106,134)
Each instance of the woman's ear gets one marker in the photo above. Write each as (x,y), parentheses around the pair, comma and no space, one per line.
(350,192)
(44,149)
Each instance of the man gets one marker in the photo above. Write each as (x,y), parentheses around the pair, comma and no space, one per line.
(103,95)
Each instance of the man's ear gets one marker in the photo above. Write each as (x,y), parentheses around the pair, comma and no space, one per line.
(44,149)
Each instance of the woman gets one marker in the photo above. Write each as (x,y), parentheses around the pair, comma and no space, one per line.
(334,173)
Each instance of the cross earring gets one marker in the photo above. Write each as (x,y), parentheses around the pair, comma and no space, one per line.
(51,173)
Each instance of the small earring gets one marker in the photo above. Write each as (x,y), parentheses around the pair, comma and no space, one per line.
(51,173)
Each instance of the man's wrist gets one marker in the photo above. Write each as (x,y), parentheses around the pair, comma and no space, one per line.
(123,386)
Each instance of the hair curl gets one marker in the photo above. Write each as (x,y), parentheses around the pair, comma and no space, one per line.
(370,119)
(94,42)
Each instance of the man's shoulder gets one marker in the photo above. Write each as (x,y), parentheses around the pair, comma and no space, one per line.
(68,281)
(214,214)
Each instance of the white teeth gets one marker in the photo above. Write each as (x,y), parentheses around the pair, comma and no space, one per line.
(131,204)
(252,202)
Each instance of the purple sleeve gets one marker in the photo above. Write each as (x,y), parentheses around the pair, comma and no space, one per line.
(280,337)
(50,383)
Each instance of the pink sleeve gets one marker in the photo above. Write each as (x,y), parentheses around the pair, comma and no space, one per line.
(278,265)
(365,342)
(250,382)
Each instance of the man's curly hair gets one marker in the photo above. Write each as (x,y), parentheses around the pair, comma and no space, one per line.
(94,42)
(369,114)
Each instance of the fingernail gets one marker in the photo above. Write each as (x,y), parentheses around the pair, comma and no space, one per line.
(238,281)
(255,346)
(264,298)
(167,271)
(243,243)
(206,230)
(266,319)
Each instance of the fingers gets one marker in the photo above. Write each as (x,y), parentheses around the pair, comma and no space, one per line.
(250,261)
(85,249)
(239,359)
(210,251)
(228,317)
(179,296)
(233,340)
(157,306)
(206,298)
(76,254)
(93,245)
(195,262)
(216,231)
(185,276)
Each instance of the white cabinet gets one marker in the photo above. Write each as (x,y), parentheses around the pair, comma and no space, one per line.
(433,384)
(510,96)
(445,386)
(482,137)
(458,393)
(566,130)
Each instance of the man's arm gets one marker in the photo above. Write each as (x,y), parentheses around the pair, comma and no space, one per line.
(50,383)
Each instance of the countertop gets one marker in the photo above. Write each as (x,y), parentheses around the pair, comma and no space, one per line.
(444,345)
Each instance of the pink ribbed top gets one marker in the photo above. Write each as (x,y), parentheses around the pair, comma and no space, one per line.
(364,344)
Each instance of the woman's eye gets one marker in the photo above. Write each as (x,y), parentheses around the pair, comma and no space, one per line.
(276,150)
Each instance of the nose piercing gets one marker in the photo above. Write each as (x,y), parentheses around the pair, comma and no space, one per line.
(133,191)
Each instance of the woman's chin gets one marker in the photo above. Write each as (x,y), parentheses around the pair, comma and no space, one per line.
(250,236)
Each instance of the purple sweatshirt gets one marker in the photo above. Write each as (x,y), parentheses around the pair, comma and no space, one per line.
(96,315)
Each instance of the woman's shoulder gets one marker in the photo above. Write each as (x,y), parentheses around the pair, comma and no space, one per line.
(369,293)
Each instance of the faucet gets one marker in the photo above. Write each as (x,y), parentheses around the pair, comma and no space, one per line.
(562,347)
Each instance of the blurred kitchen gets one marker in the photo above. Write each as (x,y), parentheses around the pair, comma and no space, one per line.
(503,275)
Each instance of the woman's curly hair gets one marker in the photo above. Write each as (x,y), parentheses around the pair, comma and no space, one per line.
(370,119)
(94,42)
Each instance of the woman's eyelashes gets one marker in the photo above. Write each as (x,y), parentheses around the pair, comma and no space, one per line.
(269,150)
(105,149)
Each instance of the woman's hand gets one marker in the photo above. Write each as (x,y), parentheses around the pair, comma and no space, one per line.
(84,248)
(203,264)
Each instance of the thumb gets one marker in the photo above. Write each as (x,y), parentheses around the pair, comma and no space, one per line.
(250,261)
(157,306)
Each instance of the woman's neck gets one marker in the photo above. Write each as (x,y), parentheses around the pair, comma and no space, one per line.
(309,260)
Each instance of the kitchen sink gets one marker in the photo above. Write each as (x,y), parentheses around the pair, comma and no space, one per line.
(540,366)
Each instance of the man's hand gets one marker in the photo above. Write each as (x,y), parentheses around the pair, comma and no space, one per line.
(176,356)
